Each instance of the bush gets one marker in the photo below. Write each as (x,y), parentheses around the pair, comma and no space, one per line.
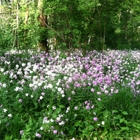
(6,36)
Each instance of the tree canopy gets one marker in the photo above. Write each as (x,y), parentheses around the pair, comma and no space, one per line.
(68,24)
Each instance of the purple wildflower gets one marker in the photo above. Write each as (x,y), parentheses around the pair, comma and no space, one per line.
(21,132)
(55,131)
(38,135)
(95,118)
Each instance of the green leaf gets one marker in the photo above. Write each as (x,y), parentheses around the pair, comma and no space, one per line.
(78,123)
(90,127)
(58,110)
(54,115)
(86,123)
(61,106)
(124,113)
(124,128)
(104,133)
(121,120)
(114,111)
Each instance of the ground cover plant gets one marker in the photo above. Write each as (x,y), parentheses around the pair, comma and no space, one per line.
(69,95)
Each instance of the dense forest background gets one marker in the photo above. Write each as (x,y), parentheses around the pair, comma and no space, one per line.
(70,24)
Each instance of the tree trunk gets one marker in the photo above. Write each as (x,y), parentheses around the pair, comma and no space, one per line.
(26,23)
(43,43)
(17,24)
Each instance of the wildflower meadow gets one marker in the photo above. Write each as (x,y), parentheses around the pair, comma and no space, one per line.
(69,96)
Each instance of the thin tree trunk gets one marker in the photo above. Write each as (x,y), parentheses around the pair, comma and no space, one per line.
(17,24)
(104,36)
(26,23)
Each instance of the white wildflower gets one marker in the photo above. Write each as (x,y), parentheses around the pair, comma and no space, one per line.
(62,123)
(4,110)
(4,85)
(50,86)
(102,122)
(10,115)
(41,97)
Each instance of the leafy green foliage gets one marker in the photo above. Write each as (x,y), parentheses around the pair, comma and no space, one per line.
(94,24)
(6,36)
